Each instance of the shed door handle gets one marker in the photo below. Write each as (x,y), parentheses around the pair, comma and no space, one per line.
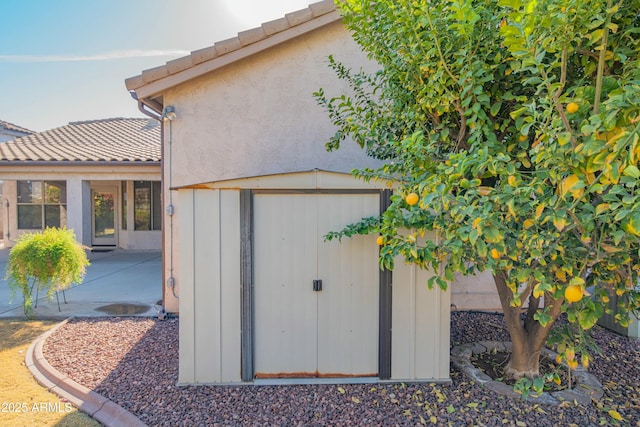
(317,285)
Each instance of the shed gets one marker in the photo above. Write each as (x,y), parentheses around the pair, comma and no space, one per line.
(250,193)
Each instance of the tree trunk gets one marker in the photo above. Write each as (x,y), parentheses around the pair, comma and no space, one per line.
(528,336)
(524,362)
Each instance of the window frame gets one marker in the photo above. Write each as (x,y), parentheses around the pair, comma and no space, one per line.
(153,208)
(42,203)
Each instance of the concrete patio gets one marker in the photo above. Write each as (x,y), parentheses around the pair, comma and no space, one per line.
(117,282)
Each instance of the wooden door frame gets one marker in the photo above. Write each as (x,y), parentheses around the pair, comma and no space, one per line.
(116,203)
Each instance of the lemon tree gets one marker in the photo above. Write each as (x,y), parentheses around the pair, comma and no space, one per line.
(517,124)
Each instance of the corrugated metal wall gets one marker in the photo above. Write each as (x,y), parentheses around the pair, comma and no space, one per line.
(285,264)
(421,326)
(209,283)
(298,331)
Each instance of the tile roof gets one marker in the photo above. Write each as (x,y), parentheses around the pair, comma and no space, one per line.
(15,128)
(244,44)
(96,141)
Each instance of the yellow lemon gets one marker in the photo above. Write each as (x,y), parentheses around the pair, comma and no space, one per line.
(412,199)
(573,293)
(572,107)
(380,240)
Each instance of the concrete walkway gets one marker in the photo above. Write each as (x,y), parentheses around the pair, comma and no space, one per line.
(117,283)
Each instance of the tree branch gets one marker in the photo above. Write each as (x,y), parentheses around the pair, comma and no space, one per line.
(539,333)
(563,74)
(463,126)
(534,304)
(601,59)
(511,314)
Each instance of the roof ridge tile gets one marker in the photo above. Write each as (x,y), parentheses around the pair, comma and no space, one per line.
(322,7)
(251,36)
(10,126)
(226,46)
(276,26)
(198,56)
(299,17)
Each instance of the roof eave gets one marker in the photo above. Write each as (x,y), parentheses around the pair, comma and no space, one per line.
(149,90)
(22,163)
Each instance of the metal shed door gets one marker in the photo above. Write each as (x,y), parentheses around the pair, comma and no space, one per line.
(299,331)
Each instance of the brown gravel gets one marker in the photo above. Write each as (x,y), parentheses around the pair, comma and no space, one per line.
(134,362)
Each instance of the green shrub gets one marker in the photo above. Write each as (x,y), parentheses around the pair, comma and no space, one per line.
(50,261)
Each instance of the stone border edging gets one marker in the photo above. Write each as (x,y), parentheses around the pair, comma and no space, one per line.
(99,407)
(588,387)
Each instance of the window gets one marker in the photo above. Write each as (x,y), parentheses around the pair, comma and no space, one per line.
(42,204)
(147,206)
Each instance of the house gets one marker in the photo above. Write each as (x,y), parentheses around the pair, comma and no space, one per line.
(250,193)
(100,178)
(9,131)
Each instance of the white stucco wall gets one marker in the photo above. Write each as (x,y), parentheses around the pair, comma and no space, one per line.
(258,116)
(475,293)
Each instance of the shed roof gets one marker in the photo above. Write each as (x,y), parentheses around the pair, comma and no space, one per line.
(12,127)
(152,82)
(96,141)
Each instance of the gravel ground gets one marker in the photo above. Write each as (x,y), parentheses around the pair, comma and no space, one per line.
(134,362)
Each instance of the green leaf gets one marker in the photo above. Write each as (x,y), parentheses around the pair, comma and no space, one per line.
(495,108)
(587,319)
(481,247)
(492,234)
(515,114)
(559,222)
(538,385)
(543,318)
(632,224)
(564,138)
(632,171)
(579,281)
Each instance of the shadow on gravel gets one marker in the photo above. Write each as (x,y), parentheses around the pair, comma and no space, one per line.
(134,362)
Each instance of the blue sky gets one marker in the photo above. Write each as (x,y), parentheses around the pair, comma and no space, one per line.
(66,60)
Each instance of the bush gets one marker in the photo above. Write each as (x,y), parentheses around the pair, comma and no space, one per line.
(51,260)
